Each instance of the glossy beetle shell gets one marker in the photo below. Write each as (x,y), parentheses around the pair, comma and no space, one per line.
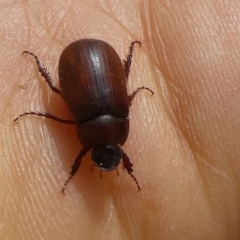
(93,69)
(92,79)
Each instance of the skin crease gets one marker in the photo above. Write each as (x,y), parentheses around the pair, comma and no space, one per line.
(183,141)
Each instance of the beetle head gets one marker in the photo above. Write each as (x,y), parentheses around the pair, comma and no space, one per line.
(107,157)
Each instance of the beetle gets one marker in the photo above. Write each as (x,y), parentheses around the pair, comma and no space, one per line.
(93,85)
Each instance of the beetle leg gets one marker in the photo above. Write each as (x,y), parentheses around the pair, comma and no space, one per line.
(75,167)
(127,63)
(128,165)
(46,115)
(45,74)
(131,97)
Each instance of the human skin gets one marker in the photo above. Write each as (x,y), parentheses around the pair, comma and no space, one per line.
(183,141)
